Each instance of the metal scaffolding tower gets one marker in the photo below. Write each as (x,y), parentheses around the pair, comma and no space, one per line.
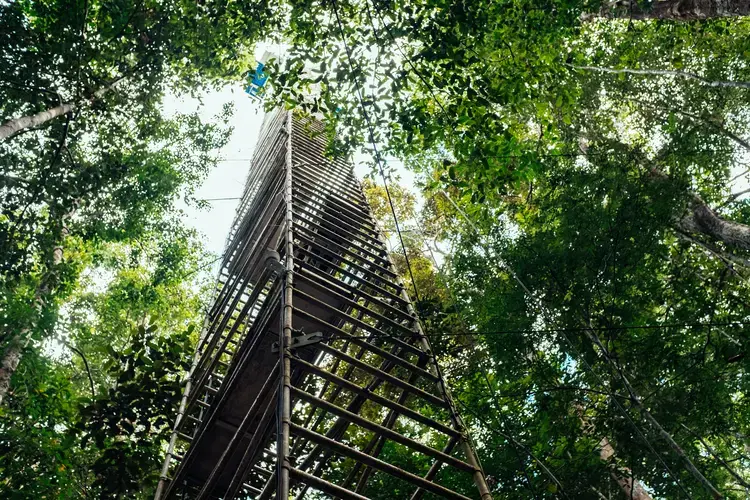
(313,377)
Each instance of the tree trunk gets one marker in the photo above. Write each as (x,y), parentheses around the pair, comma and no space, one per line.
(16,125)
(740,480)
(623,476)
(675,10)
(591,334)
(630,487)
(19,341)
(729,259)
(701,219)
(638,404)
(11,358)
(14,352)
(12,127)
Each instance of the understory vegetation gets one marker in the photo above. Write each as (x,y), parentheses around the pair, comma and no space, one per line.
(578,242)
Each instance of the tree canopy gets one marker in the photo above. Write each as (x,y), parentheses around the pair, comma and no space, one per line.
(578,243)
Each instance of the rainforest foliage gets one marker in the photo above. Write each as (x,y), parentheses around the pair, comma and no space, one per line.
(579,249)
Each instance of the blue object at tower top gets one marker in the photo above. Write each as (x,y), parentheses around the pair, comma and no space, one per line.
(257,79)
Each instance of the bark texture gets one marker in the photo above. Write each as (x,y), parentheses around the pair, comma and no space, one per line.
(16,125)
(632,488)
(702,219)
(14,351)
(12,127)
(11,358)
(676,10)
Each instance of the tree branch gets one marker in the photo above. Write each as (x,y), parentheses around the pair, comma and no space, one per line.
(702,219)
(740,174)
(739,140)
(638,404)
(733,197)
(40,187)
(14,126)
(563,388)
(665,72)
(9,180)
(727,258)
(85,363)
(739,478)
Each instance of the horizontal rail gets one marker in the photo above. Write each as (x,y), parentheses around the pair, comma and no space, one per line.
(386,377)
(375,349)
(352,274)
(303,200)
(311,234)
(325,219)
(375,332)
(325,193)
(332,235)
(382,431)
(377,398)
(312,184)
(312,178)
(324,486)
(355,291)
(356,306)
(376,463)
(308,237)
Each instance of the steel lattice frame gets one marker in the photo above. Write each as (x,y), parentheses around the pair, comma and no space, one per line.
(355,400)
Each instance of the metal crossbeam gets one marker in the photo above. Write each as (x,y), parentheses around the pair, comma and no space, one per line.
(313,377)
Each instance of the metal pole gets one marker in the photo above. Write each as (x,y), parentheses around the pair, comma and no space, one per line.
(285,341)
(164,476)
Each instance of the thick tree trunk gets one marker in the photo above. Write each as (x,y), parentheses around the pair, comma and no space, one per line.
(11,358)
(12,127)
(14,351)
(630,487)
(16,125)
(702,220)
(676,10)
